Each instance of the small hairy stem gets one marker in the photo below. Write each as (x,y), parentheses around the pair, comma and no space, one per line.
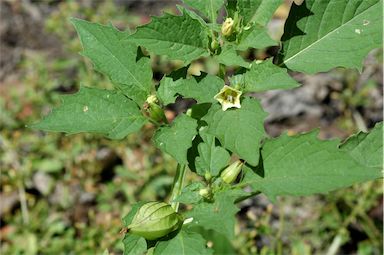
(178,183)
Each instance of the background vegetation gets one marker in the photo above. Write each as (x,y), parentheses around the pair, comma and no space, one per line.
(66,194)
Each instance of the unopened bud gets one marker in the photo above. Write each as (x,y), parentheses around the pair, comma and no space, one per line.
(230,174)
(208,176)
(154,220)
(204,192)
(154,110)
(214,45)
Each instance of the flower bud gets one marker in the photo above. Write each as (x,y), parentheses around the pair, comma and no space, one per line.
(204,192)
(154,110)
(227,27)
(230,174)
(208,176)
(214,45)
(154,220)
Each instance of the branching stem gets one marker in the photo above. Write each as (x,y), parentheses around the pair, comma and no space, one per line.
(178,184)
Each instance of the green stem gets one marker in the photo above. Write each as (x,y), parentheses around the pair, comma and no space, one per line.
(240,199)
(222,71)
(178,183)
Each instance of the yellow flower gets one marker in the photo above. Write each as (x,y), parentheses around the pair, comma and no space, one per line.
(229,97)
(227,27)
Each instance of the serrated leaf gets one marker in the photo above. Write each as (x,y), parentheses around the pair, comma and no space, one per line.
(116,58)
(255,37)
(229,57)
(258,11)
(93,110)
(207,7)
(185,242)
(304,165)
(217,215)
(320,35)
(267,76)
(190,193)
(211,158)
(239,130)
(178,37)
(134,245)
(201,88)
(177,139)
(169,88)
(366,148)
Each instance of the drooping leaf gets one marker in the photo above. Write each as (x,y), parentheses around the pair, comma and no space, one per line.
(185,242)
(217,215)
(366,148)
(177,139)
(134,245)
(202,88)
(304,165)
(229,57)
(116,58)
(239,130)
(178,37)
(93,110)
(267,76)
(212,158)
(320,35)
(207,7)
(258,11)
(256,37)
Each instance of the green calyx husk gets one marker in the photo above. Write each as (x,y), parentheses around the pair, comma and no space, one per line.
(154,220)
(229,174)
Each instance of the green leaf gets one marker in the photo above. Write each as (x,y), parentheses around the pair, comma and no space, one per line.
(255,37)
(178,37)
(184,243)
(177,139)
(190,193)
(257,11)
(304,165)
(212,158)
(267,76)
(221,245)
(239,130)
(218,215)
(207,7)
(366,148)
(169,88)
(134,245)
(202,88)
(116,58)
(320,35)
(229,57)
(231,7)
(93,110)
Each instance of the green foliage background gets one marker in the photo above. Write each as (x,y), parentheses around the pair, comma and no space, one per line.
(91,182)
